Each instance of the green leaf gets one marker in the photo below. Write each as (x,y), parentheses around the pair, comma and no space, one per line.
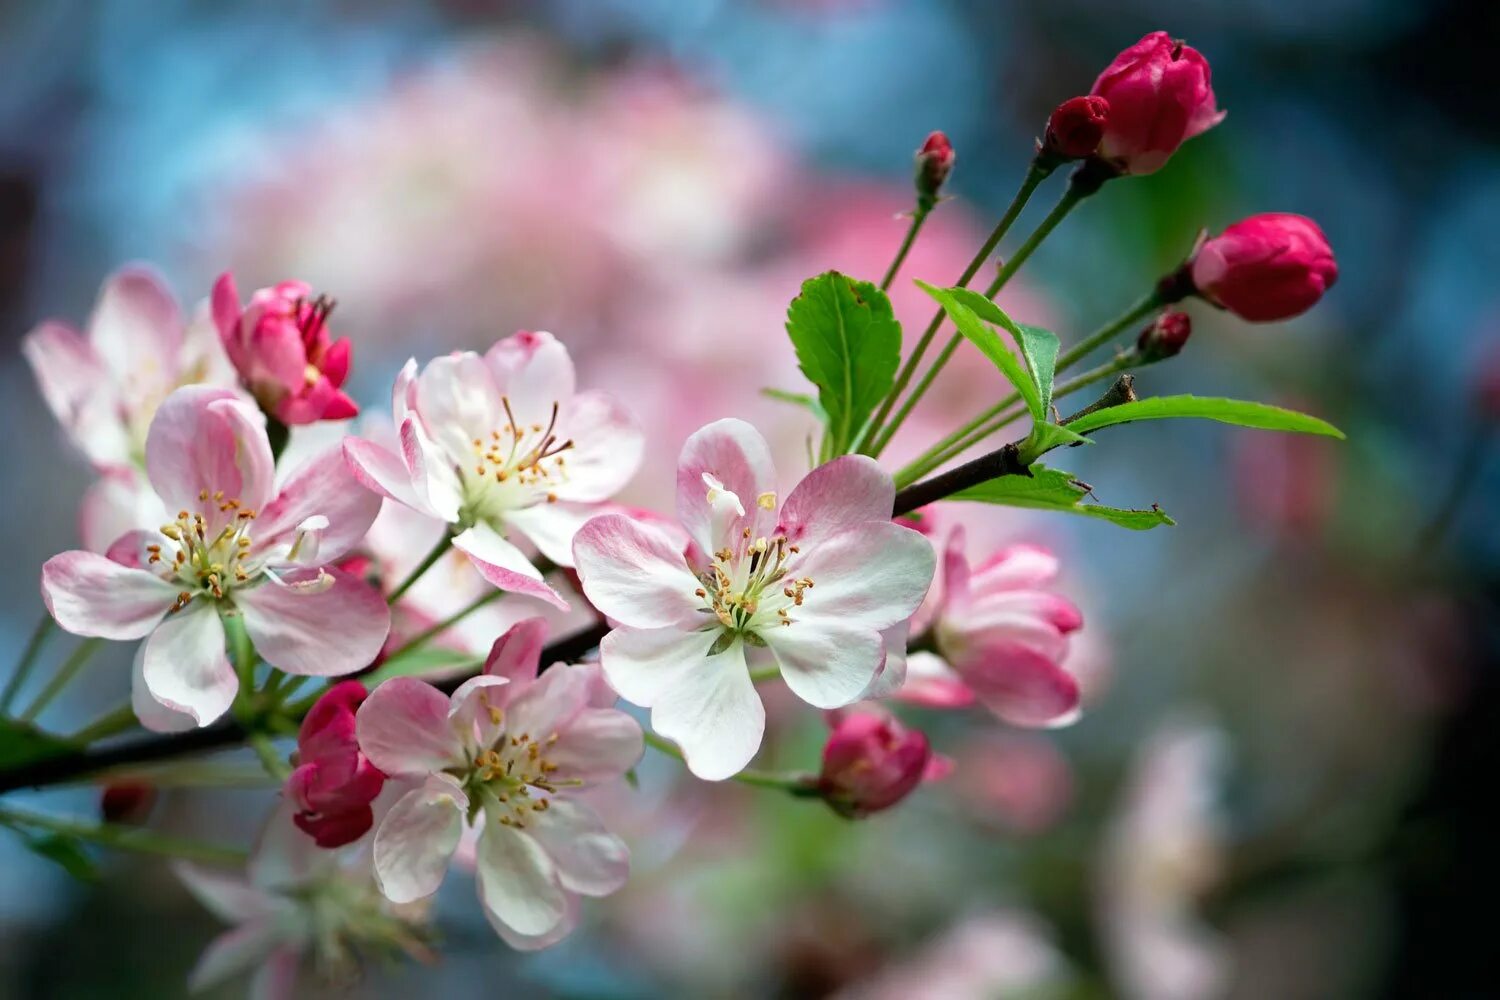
(1226,411)
(848,344)
(1051,489)
(802,399)
(1038,346)
(955,303)
(23,743)
(66,852)
(420,663)
(1044,437)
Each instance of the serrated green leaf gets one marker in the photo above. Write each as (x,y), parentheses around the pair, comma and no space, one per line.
(1226,411)
(1038,346)
(1052,489)
(23,743)
(848,344)
(65,852)
(802,399)
(977,332)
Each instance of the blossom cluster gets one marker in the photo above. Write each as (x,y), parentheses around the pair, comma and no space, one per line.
(253,530)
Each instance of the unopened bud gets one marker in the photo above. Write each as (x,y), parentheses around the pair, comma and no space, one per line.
(934,164)
(1165,337)
(871,762)
(127,802)
(1075,128)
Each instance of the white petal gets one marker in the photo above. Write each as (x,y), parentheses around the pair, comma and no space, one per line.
(184,664)
(589,859)
(827,662)
(517,881)
(417,838)
(504,565)
(635,574)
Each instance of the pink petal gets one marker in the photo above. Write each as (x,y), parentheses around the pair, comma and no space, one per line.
(599,744)
(382,472)
(204,438)
(315,630)
(517,881)
(228,897)
(734,453)
(504,565)
(548,704)
(79,390)
(459,402)
(892,674)
(875,575)
(184,666)
(589,859)
(1023,687)
(135,319)
(635,574)
(552,526)
(469,711)
(90,595)
(1016,566)
(433,475)
(322,485)
(234,952)
(517,654)
(225,301)
(607,448)
(534,370)
(404,729)
(827,662)
(404,392)
(120,500)
(276,979)
(843,493)
(930,682)
(417,838)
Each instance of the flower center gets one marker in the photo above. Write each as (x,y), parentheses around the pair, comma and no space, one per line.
(514,775)
(206,564)
(749,587)
(520,465)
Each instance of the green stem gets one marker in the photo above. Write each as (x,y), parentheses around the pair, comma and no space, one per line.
(242,650)
(270,758)
(761,674)
(111,723)
(44,628)
(64,676)
(917,218)
(124,838)
(423,636)
(1069,200)
(1142,308)
(796,784)
(1465,475)
(428,561)
(1034,176)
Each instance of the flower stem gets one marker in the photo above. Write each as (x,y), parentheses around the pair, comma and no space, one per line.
(44,628)
(1143,307)
(1069,200)
(125,838)
(111,723)
(271,759)
(917,218)
(1034,176)
(791,782)
(423,636)
(64,676)
(428,561)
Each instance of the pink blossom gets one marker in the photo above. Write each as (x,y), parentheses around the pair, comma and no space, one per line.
(1160,94)
(237,549)
(871,761)
(280,345)
(1269,267)
(501,442)
(1075,128)
(997,632)
(104,386)
(333,783)
(506,753)
(815,585)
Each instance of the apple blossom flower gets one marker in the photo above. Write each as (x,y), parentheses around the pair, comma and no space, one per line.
(506,753)
(1269,267)
(237,549)
(999,633)
(1160,94)
(333,783)
(1075,128)
(502,442)
(815,584)
(871,761)
(294,901)
(1163,850)
(280,346)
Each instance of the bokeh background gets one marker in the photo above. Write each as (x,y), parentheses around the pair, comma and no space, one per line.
(1279,787)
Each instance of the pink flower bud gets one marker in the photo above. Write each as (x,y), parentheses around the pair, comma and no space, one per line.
(1265,268)
(334,783)
(279,344)
(871,762)
(1075,128)
(1166,336)
(1160,95)
(934,164)
(127,802)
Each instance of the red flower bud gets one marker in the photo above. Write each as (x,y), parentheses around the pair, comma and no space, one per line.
(1160,95)
(871,762)
(1166,336)
(127,802)
(334,783)
(934,164)
(1265,268)
(1075,128)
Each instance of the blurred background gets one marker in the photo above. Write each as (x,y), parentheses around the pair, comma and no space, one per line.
(1278,788)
